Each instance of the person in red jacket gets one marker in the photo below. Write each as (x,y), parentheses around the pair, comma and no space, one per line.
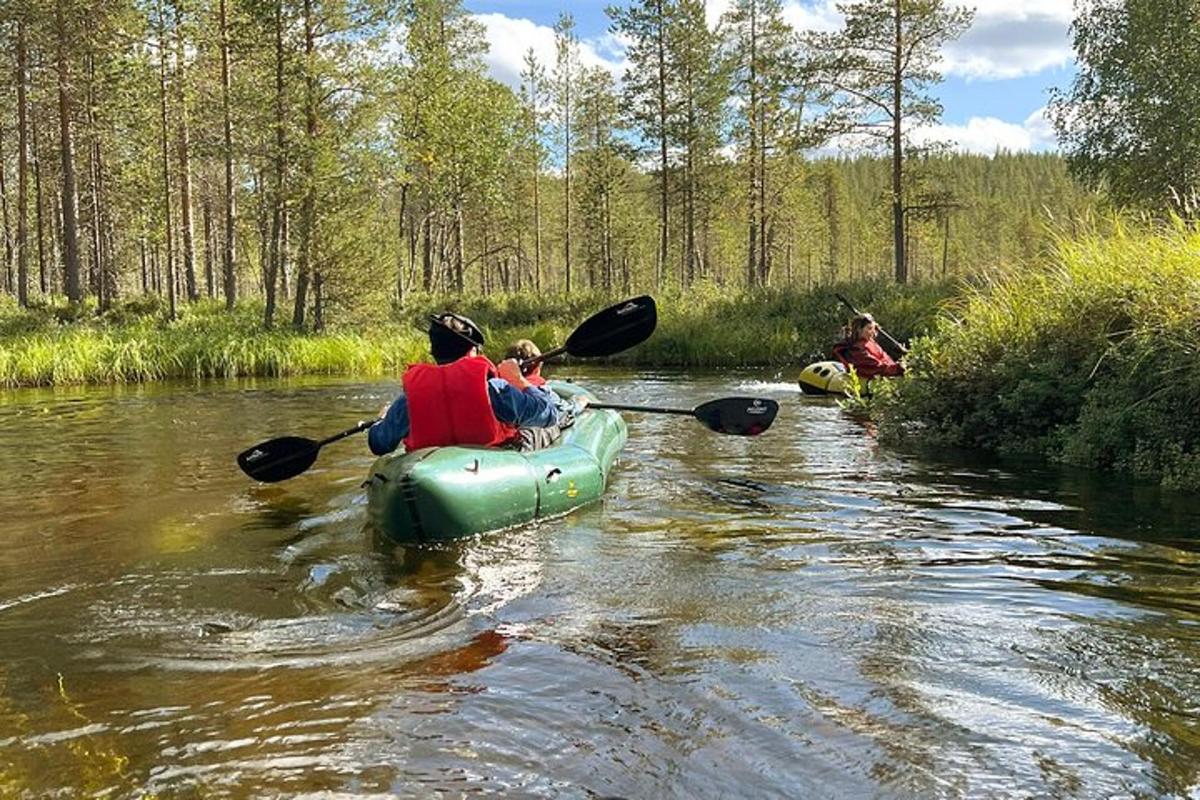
(861,351)
(463,398)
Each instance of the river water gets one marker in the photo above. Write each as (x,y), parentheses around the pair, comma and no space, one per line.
(803,614)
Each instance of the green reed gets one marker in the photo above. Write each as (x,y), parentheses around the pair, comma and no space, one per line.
(704,327)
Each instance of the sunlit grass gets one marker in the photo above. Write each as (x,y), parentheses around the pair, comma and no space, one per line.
(1093,359)
(707,327)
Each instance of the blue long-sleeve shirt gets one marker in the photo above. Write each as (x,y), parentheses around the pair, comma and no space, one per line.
(535,407)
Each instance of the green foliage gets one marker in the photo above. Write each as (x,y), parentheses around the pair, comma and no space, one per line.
(1126,121)
(1092,361)
(857,402)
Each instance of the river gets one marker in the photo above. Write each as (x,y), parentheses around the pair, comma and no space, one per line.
(802,614)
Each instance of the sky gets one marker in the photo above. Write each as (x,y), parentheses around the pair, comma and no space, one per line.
(996,76)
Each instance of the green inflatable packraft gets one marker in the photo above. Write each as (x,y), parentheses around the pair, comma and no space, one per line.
(441,493)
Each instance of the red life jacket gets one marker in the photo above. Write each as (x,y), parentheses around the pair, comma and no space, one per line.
(449,405)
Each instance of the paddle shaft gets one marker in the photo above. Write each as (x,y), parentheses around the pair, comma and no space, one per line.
(530,362)
(687,412)
(362,426)
(886,335)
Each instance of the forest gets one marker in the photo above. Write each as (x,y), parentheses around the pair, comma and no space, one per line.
(329,159)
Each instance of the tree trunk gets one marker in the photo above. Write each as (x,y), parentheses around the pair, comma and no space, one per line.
(402,242)
(273,262)
(764,245)
(210,288)
(166,162)
(664,197)
(567,184)
(9,278)
(608,248)
(155,272)
(484,277)
(308,211)
(898,148)
(43,278)
(93,183)
(185,167)
(689,179)
(227,255)
(752,155)
(318,301)
(537,231)
(54,238)
(22,167)
(458,248)
(70,222)
(263,223)
(427,248)
(102,228)
(285,287)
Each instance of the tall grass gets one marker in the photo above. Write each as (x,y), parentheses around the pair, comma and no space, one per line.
(707,327)
(204,343)
(1094,359)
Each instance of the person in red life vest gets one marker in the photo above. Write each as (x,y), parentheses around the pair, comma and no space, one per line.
(860,350)
(463,398)
(523,350)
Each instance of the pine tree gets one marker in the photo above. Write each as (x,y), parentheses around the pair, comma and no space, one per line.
(881,65)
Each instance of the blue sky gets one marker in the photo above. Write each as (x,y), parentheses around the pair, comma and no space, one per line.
(996,76)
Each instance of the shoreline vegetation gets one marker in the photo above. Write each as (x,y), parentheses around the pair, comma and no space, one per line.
(1091,358)
(707,327)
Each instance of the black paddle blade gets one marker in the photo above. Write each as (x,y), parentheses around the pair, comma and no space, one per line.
(740,416)
(278,459)
(614,329)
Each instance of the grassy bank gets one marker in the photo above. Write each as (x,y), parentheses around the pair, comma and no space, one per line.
(1093,360)
(706,328)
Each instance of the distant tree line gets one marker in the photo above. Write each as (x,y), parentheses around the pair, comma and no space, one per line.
(332,154)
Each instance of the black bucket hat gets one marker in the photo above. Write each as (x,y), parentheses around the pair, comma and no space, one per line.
(447,343)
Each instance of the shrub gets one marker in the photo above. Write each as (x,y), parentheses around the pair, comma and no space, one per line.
(1091,361)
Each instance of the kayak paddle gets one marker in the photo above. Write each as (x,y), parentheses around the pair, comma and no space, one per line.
(288,456)
(606,332)
(739,416)
(610,331)
(903,350)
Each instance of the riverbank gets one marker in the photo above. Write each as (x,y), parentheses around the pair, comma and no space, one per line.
(709,327)
(1092,359)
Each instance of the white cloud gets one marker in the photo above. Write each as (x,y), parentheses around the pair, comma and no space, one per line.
(821,16)
(1012,38)
(509,39)
(1007,39)
(986,135)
